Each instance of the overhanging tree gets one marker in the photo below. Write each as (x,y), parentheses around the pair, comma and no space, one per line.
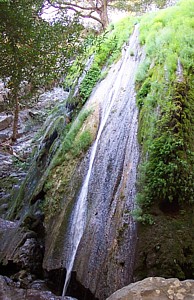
(98,9)
(33,50)
(93,9)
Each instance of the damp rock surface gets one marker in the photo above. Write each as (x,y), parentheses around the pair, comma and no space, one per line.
(104,260)
(154,288)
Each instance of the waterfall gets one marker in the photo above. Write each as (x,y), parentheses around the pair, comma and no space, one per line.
(109,95)
(79,216)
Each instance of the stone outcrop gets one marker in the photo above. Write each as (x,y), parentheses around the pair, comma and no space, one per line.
(22,258)
(9,291)
(156,288)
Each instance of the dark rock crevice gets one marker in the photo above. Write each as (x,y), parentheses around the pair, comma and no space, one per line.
(55,281)
(9,269)
(77,290)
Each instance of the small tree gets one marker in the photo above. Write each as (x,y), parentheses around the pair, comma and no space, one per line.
(31,49)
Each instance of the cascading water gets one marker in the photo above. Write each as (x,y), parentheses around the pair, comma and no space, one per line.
(79,215)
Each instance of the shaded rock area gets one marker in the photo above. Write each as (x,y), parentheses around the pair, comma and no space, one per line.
(10,291)
(15,158)
(21,256)
(22,241)
(154,288)
(166,248)
(12,173)
(21,259)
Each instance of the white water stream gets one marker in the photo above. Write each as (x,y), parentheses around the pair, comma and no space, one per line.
(108,94)
(79,217)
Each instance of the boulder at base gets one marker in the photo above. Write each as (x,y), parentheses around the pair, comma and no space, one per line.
(156,288)
(9,292)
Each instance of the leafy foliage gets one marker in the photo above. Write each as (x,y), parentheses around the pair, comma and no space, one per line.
(106,49)
(31,50)
(89,82)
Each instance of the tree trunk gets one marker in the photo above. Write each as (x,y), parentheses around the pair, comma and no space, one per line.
(103,13)
(15,120)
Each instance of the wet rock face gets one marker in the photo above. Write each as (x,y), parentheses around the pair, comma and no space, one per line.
(22,242)
(105,257)
(156,288)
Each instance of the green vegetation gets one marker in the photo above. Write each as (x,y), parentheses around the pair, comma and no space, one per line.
(53,166)
(70,144)
(165,96)
(31,51)
(106,49)
(89,83)
(109,44)
(75,143)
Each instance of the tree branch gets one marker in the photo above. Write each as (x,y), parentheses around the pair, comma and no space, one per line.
(65,4)
(78,9)
(85,15)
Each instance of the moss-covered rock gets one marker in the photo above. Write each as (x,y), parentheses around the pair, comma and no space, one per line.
(166,248)
(165,96)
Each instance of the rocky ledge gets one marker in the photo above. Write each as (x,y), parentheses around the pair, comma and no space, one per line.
(156,288)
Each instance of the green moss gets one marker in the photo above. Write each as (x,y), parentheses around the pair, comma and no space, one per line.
(58,182)
(60,234)
(168,173)
(166,127)
(82,143)
(7,183)
(68,141)
(143,91)
(166,133)
(17,203)
(57,185)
